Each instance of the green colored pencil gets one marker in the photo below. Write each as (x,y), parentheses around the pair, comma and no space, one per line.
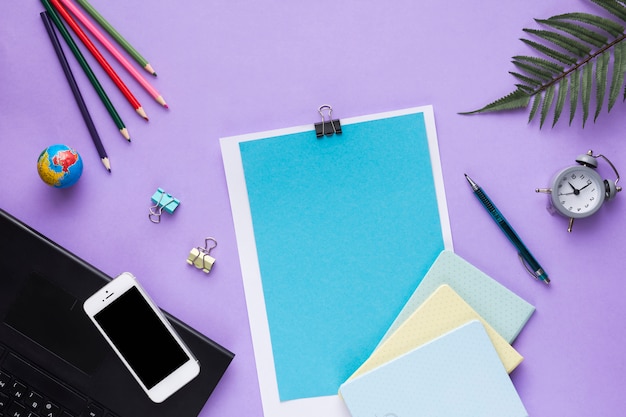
(86,68)
(116,35)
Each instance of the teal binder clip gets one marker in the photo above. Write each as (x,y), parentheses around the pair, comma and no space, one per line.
(162,201)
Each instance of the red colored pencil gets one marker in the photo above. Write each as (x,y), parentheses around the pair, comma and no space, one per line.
(101,60)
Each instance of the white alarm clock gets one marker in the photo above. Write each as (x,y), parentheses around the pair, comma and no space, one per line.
(578,191)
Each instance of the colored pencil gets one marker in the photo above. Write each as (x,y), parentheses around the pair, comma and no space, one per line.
(117,36)
(75,90)
(113,50)
(87,69)
(101,60)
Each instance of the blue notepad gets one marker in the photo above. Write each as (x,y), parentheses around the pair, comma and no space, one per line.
(456,375)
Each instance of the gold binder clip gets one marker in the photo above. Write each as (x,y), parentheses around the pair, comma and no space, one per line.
(201,258)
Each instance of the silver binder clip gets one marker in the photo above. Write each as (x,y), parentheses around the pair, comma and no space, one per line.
(327,127)
(201,258)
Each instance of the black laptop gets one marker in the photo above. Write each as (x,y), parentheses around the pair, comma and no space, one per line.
(53,362)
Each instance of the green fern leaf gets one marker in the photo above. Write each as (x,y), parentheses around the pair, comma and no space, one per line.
(515,100)
(602,68)
(542,63)
(612,7)
(561,57)
(578,51)
(525,88)
(530,81)
(534,71)
(560,100)
(585,89)
(573,94)
(612,28)
(617,79)
(570,45)
(547,103)
(533,110)
(581,32)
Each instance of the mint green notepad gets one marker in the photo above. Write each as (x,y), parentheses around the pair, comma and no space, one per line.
(504,310)
(456,375)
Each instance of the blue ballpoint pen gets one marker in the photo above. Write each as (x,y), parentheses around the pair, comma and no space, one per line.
(527,258)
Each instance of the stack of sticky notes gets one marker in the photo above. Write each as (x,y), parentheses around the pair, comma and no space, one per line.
(449,351)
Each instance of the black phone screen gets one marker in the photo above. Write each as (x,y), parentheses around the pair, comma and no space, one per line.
(141,337)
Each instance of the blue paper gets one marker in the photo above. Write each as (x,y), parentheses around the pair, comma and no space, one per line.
(456,375)
(345,228)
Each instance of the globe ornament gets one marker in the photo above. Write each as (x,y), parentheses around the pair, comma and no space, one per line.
(59,166)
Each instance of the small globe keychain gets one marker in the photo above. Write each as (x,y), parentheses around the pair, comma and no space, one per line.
(578,191)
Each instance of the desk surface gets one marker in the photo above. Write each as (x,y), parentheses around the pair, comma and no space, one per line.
(231,67)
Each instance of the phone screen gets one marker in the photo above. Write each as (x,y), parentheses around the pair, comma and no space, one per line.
(141,337)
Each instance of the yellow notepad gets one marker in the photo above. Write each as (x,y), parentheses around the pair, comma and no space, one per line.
(442,312)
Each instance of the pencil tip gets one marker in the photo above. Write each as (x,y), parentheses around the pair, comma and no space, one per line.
(142,113)
(162,102)
(106,163)
(149,68)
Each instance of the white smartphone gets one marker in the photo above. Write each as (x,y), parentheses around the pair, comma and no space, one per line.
(142,337)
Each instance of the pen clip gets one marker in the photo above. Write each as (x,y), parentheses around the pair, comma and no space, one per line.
(527,266)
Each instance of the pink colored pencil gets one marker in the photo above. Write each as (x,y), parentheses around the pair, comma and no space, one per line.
(114,51)
(101,60)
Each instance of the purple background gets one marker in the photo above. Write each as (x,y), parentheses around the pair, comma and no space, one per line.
(230,67)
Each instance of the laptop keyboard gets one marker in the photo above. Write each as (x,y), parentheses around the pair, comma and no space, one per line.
(25,391)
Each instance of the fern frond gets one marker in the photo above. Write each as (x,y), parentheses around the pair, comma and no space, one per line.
(577,52)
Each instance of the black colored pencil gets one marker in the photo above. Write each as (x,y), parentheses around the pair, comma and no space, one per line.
(52,14)
(47,22)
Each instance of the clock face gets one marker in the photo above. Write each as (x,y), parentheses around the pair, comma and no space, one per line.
(577,191)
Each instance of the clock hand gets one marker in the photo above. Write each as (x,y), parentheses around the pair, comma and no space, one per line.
(588,184)
(576,192)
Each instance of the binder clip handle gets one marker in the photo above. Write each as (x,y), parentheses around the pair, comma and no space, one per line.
(327,127)
(155,213)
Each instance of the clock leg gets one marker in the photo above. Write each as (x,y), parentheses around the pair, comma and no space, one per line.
(571,223)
